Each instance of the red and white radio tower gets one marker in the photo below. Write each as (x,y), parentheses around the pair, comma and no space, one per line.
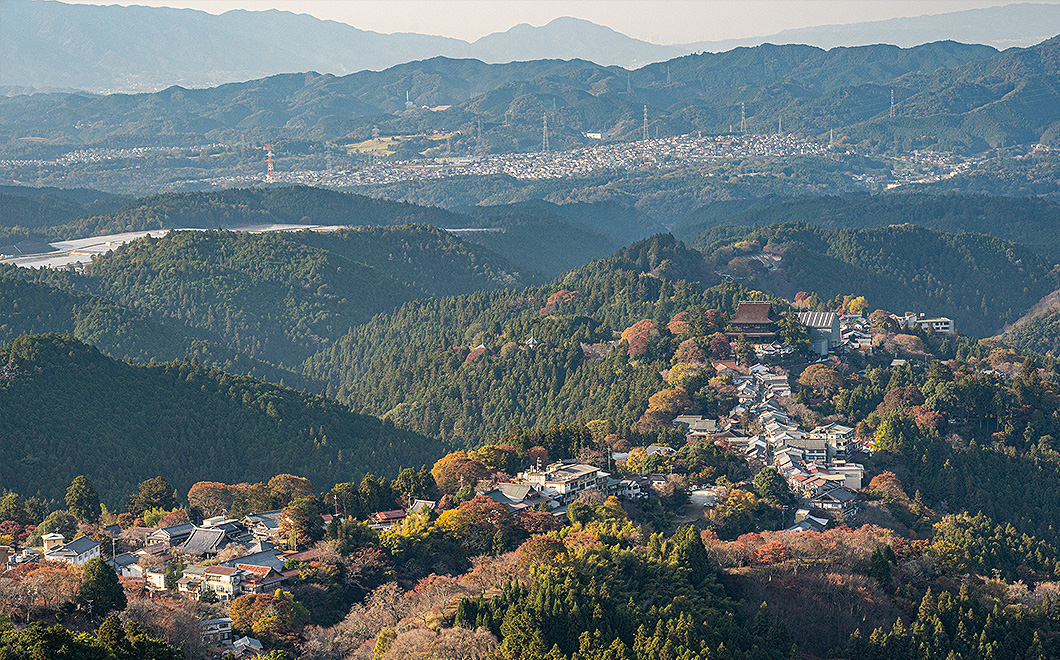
(268,149)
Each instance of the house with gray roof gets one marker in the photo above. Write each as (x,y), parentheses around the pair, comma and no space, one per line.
(125,565)
(263,525)
(519,496)
(837,500)
(172,535)
(267,558)
(78,551)
(205,541)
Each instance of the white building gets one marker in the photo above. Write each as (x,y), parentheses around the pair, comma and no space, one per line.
(838,440)
(77,552)
(566,479)
(939,325)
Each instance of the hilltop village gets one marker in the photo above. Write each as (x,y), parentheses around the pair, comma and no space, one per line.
(160,551)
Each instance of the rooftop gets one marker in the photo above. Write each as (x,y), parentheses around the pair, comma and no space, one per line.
(78,546)
(819,320)
(753,312)
(227,571)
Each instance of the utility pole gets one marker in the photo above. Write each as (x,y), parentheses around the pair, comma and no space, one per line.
(269,172)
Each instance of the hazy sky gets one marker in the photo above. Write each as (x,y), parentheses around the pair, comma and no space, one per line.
(659,21)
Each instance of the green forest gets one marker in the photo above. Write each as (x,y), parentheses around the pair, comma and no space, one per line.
(981,282)
(68,410)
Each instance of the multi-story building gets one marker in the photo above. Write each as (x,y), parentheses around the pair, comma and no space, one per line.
(838,440)
(78,551)
(755,321)
(217,631)
(224,581)
(565,479)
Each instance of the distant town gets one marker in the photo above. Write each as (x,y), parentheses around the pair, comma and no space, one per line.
(686,152)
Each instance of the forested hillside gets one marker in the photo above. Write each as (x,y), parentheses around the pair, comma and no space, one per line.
(31,307)
(1032,222)
(66,410)
(555,238)
(980,281)
(461,367)
(526,237)
(240,207)
(279,296)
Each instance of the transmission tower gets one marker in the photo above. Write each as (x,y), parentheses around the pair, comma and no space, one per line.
(268,151)
(892,102)
(544,132)
(645,122)
(743,118)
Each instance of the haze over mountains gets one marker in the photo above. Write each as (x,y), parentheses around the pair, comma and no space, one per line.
(47,45)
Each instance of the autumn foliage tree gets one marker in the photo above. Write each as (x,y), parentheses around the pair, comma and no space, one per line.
(671,401)
(285,488)
(638,335)
(679,324)
(720,349)
(174,517)
(211,498)
(456,470)
(690,352)
(824,379)
(269,616)
(476,523)
(539,550)
(300,522)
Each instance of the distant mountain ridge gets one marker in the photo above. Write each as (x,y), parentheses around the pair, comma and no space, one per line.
(1007,26)
(812,88)
(47,45)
